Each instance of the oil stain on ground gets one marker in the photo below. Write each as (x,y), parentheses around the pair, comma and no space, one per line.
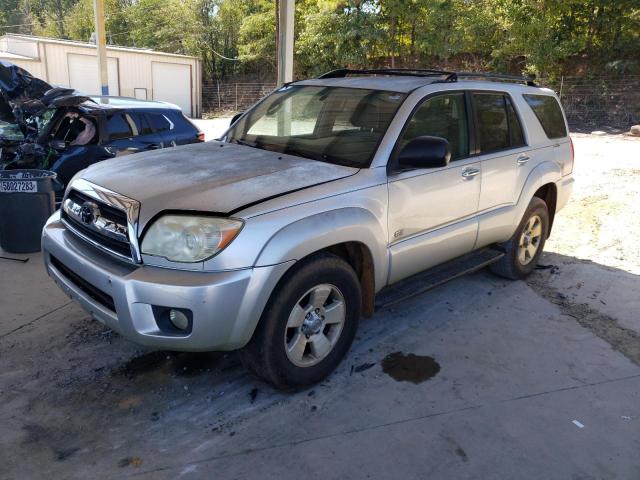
(410,368)
(178,364)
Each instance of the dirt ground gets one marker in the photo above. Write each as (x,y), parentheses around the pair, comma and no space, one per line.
(480,378)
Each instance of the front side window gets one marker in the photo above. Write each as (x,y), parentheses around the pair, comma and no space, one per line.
(331,124)
(441,116)
(548,113)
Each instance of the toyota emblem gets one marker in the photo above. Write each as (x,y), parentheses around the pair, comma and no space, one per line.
(88,212)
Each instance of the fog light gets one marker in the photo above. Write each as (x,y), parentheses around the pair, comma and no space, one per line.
(178,319)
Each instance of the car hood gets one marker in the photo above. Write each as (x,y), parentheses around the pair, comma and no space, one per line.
(23,95)
(213,177)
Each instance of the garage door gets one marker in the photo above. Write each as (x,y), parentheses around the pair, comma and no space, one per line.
(172,83)
(83,74)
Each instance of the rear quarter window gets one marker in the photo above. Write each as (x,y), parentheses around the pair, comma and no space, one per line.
(160,122)
(548,112)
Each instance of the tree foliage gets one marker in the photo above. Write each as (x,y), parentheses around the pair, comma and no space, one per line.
(238,37)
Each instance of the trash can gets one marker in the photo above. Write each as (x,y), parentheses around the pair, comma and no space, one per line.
(27,200)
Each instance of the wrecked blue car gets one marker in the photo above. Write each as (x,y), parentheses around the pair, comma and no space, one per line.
(55,128)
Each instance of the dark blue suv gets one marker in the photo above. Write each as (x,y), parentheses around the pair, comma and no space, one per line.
(57,129)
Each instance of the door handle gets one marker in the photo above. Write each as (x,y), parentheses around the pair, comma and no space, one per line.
(522,159)
(468,173)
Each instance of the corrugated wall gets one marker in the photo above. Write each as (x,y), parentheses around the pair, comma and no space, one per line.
(134,68)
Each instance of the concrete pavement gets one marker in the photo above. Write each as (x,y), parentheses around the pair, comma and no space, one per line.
(537,379)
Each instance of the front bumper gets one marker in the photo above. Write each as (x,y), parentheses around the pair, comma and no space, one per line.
(225,306)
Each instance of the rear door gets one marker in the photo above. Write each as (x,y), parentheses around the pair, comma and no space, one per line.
(164,127)
(432,212)
(129,133)
(502,148)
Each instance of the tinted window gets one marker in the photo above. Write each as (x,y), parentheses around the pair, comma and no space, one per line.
(118,126)
(549,114)
(142,124)
(441,116)
(515,129)
(159,122)
(182,122)
(493,125)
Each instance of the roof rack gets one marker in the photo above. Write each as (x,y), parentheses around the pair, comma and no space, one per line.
(450,76)
(408,72)
(528,80)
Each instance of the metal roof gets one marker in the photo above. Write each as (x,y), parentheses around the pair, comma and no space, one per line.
(77,43)
(113,103)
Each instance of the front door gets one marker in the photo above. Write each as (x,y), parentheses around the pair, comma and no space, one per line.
(432,212)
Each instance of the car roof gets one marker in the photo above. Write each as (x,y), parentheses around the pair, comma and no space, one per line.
(407,84)
(125,103)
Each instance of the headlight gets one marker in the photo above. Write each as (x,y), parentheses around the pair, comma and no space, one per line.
(185,238)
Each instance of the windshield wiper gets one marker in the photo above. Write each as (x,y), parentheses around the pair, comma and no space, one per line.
(297,153)
(339,161)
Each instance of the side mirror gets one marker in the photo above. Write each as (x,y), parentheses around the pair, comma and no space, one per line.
(425,152)
(236,117)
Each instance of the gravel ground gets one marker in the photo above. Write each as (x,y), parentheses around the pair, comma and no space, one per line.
(535,379)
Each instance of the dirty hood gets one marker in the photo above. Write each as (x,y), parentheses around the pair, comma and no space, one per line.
(212,176)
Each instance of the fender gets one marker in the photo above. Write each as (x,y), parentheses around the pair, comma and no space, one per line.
(500,224)
(545,172)
(316,232)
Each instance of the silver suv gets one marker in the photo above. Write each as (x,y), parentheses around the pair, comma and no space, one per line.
(277,238)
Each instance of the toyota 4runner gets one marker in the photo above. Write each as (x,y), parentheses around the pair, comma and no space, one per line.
(277,238)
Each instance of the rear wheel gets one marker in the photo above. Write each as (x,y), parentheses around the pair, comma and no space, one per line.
(525,247)
(308,324)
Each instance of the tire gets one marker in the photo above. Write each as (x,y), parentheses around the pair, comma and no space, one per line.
(287,348)
(514,265)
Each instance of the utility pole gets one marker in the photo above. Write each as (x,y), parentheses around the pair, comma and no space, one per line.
(101,44)
(286,18)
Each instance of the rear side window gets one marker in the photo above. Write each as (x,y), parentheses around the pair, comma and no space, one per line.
(160,122)
(120,126)
(515,128)
(549,114)
(498,125)
(142,124)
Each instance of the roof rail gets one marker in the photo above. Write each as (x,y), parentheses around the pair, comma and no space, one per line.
(450,76)
(528,80)
(409,72)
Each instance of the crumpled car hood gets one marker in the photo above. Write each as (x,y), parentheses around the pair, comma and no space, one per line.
(23,95)
(212,177)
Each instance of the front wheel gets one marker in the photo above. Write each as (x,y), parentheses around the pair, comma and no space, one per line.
(308,324)
(525,247)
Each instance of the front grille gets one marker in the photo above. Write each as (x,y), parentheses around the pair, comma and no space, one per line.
(95,293)
(109,216)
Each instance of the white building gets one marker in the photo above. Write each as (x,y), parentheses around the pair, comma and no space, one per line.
(133,72)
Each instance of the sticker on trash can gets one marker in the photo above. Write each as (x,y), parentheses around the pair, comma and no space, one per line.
(18,186)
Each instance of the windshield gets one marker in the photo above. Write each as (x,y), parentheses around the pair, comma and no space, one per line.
(331,124)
